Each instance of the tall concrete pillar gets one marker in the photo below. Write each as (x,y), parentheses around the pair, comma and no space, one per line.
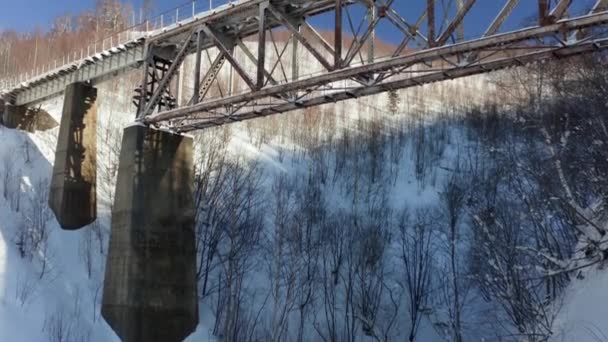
(73,195)
(150,289)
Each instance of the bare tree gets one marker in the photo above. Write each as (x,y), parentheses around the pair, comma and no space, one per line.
(212,170)
(86,250)
(332,258)
(506,274)
(25,287)
(241,233)
(416,255)
(452,199)
(59,326)
(282,272)
(37,220)
(32,235)
(309,218)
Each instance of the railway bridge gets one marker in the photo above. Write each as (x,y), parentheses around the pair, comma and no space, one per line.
(150,284)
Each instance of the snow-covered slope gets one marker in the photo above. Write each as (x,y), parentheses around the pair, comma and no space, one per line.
(63,303)
(357,166)
(49,297)
(584,314)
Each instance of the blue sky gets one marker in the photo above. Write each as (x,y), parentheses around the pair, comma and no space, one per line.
(26,15)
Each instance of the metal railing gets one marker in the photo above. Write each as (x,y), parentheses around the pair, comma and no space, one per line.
(165,20)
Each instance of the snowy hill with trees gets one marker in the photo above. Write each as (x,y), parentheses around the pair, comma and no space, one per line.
(468,210)
(406,216)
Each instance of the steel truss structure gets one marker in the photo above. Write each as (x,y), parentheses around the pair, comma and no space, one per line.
(429,48)
(352,69)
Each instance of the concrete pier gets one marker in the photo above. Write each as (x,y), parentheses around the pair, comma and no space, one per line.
(73,195)
(150,282)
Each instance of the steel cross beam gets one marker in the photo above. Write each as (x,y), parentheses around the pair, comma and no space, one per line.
(600,5)
(456,22)
(430,15)
(543,8)
(497,23)
(515,44)
(338,35)
(164,83)
(560,9)
(289,24)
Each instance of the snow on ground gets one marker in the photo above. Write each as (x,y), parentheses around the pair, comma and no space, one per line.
(32,306)
(28,304)
(584,315)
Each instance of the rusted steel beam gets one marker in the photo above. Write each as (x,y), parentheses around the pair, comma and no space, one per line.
(411,31)
(501,17)
(430,15)
(460,30)
(166,80)
(261,64)
(600,5)
(505,12)
(318,37)
(426,56)
(292,27)
(560,9)
(338,36)
(254,60)
(208,79)
(197,68)
(144,82)
(455,23)
(543,9)
(221,45)
(371,40)
(295,61)
(367,35)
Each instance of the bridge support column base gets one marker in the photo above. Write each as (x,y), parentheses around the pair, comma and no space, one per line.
(150,291)
(73,195)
